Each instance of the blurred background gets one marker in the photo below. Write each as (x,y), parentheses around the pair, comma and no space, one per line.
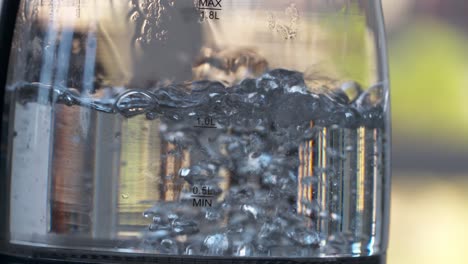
(427,43)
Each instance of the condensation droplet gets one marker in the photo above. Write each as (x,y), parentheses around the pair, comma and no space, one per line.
(271,21)
(287,24)
(135,16)
(155,14)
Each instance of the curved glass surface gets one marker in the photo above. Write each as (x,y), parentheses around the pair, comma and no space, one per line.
(247,128)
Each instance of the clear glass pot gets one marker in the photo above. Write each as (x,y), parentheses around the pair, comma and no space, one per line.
(245,130)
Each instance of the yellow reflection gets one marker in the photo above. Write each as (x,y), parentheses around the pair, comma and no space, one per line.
(140,169)
(306,158)
(361,168)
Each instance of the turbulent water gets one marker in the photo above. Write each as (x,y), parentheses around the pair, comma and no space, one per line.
(254,138)
(278,99)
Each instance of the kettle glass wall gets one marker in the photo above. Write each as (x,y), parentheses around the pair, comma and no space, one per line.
(225,128)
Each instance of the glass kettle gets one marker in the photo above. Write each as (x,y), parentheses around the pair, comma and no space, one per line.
(245,131)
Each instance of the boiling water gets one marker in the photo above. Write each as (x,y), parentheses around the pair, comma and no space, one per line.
(263,168)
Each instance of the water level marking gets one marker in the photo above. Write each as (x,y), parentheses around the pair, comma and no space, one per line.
(202,196)
(209,9)
(207,122)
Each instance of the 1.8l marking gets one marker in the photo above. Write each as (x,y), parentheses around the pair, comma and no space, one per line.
(209,9)
(209,15)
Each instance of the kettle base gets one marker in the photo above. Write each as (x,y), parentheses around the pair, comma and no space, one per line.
(74,256)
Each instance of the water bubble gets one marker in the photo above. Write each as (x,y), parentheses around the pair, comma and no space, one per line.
(311,206)
(157,219)
(212,215)
(192,250)
(372,97)
(151,115)
(335,198)
(245,250)
(256,162)
(335,216)
(217,244)
(255,155)
(148,214)
(184,227)
(237,221)
(323,214)
(296,89)
(267,83)
(263,244)
(134,103)
(172,216)
(309,180)
(175,136)
(268,229)
(335,153)
(252,210)
(348,92)
(66,95)
(158,227)
(168,246)
(184,172)
(163,127)
(339,241)
(167,243)
(242,193)
(303,237)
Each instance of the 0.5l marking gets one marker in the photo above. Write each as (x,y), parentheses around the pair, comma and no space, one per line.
(202,196)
